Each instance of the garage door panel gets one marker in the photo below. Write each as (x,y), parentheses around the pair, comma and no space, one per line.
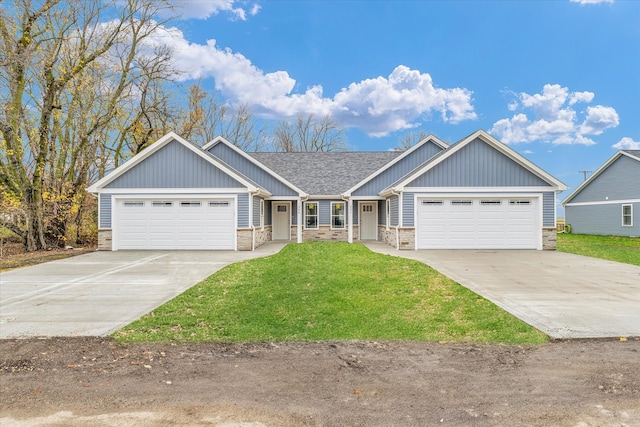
(475,223)
(175,224)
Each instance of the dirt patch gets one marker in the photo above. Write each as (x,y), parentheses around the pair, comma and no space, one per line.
(94,381)
(14,255)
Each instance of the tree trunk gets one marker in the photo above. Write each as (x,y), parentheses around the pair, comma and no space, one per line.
(35,228)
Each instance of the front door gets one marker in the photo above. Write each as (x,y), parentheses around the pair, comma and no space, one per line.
(368,221)
(281,220)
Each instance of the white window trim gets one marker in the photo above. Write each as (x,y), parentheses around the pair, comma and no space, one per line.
(344,216)
(630,216)
(317,215)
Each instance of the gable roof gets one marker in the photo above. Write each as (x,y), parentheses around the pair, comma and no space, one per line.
(632,154)
(453,149)
(429,139)
(222,140)
(326,173)
(159,144)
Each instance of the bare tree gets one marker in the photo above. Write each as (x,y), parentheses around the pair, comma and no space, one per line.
(309,134)
(49,50)
(410,139)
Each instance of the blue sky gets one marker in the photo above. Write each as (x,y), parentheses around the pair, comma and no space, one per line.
(557,80)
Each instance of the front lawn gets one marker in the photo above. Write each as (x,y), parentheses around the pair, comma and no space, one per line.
(329,291)
(613,248)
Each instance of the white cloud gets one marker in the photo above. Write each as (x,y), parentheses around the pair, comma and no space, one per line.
(599,119)
(203,9)
(591,1)
(378,106)
(626,143)
(551,116)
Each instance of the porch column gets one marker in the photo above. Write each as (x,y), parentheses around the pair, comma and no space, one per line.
(350,221)
(299,214)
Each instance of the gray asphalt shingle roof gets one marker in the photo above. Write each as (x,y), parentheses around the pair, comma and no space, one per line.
(325,173)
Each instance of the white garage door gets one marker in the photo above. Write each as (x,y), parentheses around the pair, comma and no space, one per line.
(166,223)
(477,223)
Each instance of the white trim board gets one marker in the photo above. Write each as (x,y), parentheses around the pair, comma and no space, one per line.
(604,202)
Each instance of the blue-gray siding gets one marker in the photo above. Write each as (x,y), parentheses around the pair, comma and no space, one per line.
(395,209)
(325,211)
(548,209)
(407,210)
(478,165)
(256,211)
(105,211)
(382,212)
(356,211)
(602,219)
(398,170)
(294,212)
(267,213)
(243,210)
(620,181)
(174,166)
(251,170)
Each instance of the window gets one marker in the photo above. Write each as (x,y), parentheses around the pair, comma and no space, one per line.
(431,202)
(337,214)
(190,204)
(490,202)
(281,208)
(519,202)
(461,202)
(162,204)
(133,204)
(311,215)
(627,215)
(218,204)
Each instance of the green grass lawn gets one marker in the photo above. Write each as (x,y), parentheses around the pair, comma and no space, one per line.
(613,248)
(329,291)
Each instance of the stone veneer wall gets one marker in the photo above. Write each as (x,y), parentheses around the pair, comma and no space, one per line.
(244,237)
(407,238)
(104,240)
(325,233)
(263,236)
(387,236)
(549,239)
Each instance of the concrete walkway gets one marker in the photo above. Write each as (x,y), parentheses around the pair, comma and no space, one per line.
(100,292)
(561,294)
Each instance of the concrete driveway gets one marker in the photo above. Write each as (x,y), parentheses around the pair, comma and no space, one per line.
(561,294)
(100,292)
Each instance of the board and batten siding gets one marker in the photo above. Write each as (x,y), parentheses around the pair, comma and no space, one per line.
(469,167)
(174,166)
(251,170)
(605,219)
(398,170)
(619,181)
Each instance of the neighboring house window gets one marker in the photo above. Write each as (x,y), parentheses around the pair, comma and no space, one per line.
(311,215)
(262,213)
(337,215)
(627,215)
